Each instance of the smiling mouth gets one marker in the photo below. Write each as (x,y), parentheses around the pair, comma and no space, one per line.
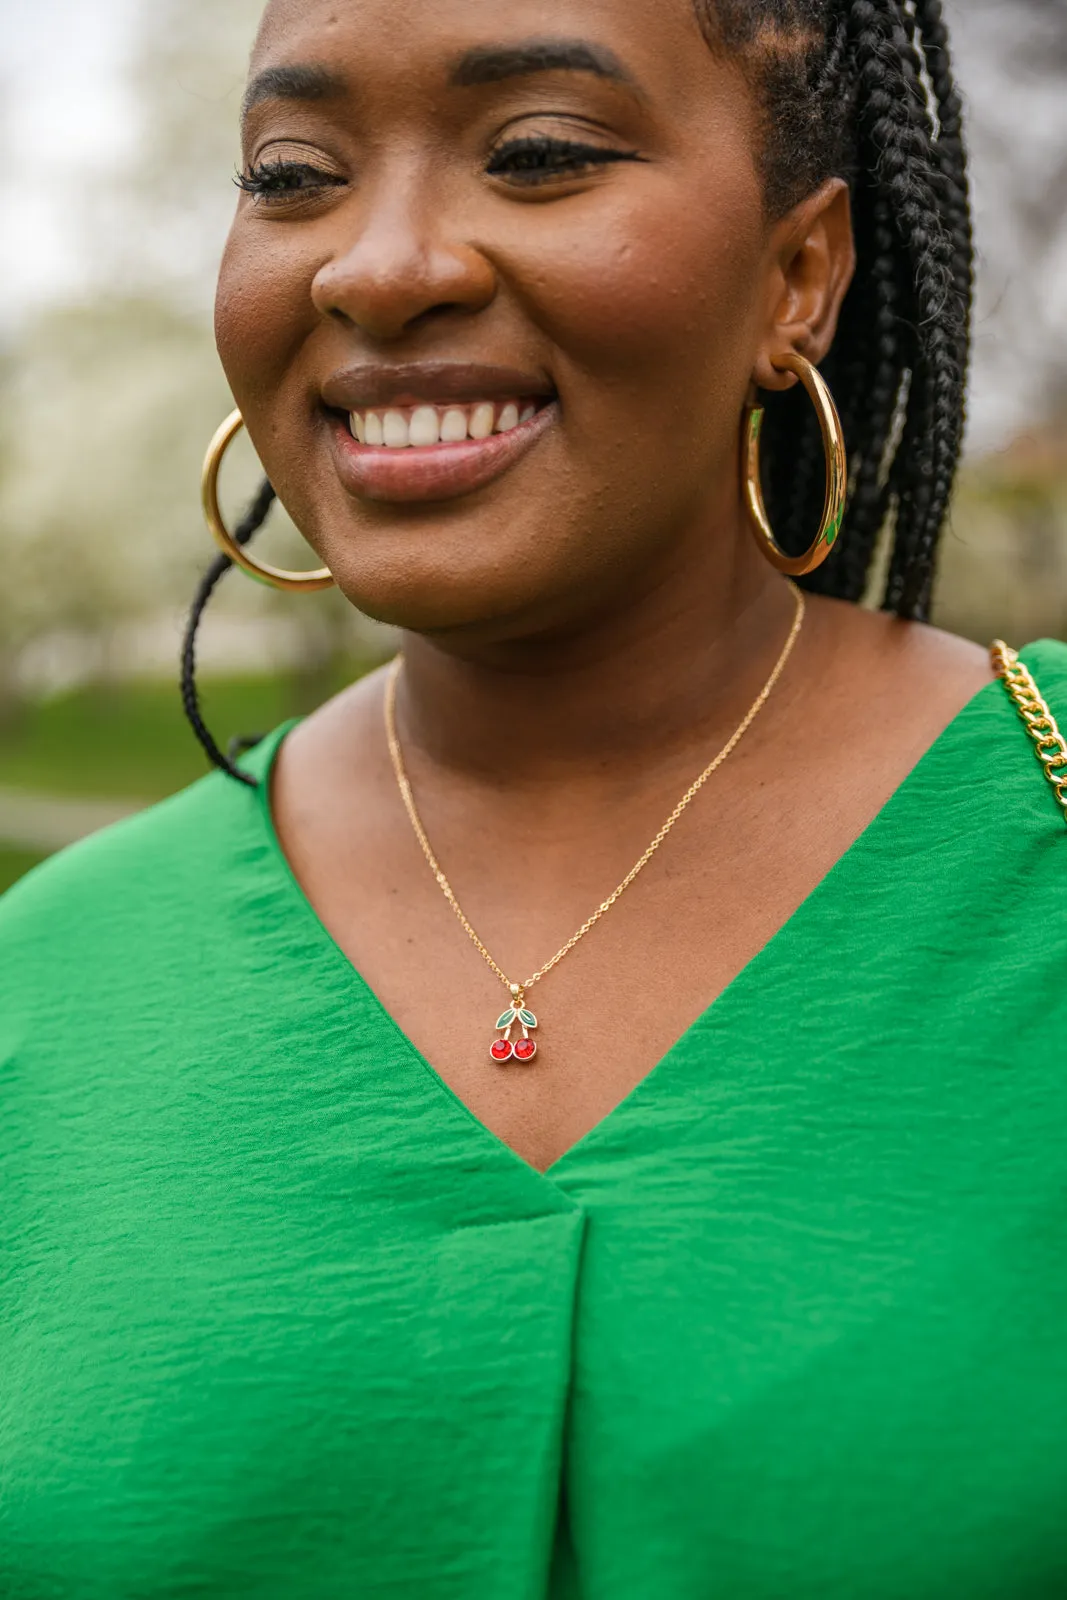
(420,427)
(426,452)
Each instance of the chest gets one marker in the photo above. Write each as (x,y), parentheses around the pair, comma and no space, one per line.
(770,1332)
(622,964)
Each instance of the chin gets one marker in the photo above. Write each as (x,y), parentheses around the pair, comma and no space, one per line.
(486,571)
(438,602)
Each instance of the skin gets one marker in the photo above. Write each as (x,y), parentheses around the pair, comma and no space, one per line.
(582,634)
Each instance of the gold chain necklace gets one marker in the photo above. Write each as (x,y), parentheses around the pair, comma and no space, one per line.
(517,1012)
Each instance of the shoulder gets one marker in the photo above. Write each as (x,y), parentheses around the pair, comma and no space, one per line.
(175,847)
(117,861)
(920,715)
(1044,675)
(915,680)
(139,886)
(911,677)
(1047,661)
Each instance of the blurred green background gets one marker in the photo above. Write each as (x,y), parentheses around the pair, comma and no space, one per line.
(119,150)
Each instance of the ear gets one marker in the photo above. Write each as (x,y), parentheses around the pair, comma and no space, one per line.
(812,257)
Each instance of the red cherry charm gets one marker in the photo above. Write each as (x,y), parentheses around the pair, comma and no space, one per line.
(502,1050)
(525,1049)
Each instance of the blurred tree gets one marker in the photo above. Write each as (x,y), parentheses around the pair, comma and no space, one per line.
(1005,559)
(1012,62)
(1004,569)
(173,208)
(109,404)
(99,433)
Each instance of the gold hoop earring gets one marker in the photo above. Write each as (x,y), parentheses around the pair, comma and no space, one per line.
(277,577)
(833,439)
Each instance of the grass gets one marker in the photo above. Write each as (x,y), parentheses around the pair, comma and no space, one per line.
(13,864)
(131,740)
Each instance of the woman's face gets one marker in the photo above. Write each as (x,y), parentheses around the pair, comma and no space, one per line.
(532,233)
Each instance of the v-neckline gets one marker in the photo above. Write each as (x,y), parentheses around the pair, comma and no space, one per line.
(261,762)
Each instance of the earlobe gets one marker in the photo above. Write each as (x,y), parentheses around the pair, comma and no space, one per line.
(813,259)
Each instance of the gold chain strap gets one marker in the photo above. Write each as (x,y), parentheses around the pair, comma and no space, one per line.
(1037,719)
(519,989)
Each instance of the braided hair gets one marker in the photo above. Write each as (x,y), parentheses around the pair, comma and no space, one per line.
(863,90)
(250,524)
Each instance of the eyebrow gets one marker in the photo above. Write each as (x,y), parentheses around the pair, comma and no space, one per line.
(293,83)
(494,63)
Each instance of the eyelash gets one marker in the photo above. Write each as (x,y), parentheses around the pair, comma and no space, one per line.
(531,160)
(538,158)
(282,180)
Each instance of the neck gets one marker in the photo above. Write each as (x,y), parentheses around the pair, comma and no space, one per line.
(672,664)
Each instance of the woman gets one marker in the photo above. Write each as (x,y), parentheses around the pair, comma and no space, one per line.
(727,1258)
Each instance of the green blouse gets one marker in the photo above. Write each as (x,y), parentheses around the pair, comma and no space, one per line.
(280,1318)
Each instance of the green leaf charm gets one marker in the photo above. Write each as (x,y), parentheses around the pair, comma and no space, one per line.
(527,1018)
(507,1017)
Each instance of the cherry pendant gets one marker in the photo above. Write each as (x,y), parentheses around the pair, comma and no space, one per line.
(522,1049)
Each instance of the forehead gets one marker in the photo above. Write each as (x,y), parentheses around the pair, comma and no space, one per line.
(658,42)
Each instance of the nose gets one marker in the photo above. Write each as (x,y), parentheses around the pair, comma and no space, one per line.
(403,263)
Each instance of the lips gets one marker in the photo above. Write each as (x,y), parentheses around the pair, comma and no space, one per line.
(433,431)
(436,383)
(436,471)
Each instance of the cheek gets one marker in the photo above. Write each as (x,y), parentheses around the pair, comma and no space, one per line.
(658,300)
(263,311)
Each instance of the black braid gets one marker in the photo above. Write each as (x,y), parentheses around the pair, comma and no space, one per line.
(252,521)
(930,446)
(847,89)
(952,165)
(870,497)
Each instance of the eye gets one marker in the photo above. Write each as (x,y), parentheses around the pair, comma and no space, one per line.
(537,158)
(278,181)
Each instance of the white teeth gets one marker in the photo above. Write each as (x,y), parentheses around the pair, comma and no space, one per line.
(482,419)
(453,426)
(428,425)
(396,435)
(424,428)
